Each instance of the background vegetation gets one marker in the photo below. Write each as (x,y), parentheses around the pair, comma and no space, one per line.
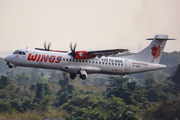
(34,94)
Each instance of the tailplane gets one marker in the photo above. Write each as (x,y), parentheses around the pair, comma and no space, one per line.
(154,51)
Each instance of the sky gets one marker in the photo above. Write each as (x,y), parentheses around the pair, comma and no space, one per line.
(93,24)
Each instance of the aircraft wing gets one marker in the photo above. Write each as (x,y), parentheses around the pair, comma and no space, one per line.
(106,53)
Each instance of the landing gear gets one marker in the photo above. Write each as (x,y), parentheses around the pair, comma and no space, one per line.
(10,66)
(72,76)
(83,77)
(83,74)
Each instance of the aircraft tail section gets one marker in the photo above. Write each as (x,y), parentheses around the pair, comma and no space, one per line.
(154,51)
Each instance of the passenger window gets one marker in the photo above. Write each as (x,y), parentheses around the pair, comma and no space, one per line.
(73,60)
(115,64)
(86,61)
(92,61)
(63,59)
(99,62)
(89,61)
(112,63)
(79,60)
(66,59)
(96,62)
(24,53)
(109,63)
(69,59)
(76,60)
(82,60)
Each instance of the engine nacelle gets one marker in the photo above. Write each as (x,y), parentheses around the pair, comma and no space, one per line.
(83,55)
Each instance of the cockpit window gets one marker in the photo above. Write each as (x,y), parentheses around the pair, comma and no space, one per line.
(16,52)
(20,53)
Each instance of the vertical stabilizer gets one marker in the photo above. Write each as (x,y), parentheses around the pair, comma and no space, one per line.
(153,52)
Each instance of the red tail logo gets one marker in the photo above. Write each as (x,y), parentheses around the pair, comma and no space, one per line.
(156,51)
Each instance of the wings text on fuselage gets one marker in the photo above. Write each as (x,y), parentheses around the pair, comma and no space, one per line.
(39,57)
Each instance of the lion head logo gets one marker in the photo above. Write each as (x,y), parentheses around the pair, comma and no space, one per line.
(80,54)
(156,51)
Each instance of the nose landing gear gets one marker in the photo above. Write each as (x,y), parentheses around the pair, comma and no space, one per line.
(10,66)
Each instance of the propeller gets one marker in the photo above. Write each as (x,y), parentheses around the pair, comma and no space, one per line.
(73,53)
(45,48)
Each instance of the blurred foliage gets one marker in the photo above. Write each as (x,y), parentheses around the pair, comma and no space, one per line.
(30,93)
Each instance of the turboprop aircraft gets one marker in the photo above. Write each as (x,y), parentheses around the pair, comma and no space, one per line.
(89,62)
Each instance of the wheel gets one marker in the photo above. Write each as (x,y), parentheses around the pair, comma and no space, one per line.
(10,66)
(83,77)
(72,76)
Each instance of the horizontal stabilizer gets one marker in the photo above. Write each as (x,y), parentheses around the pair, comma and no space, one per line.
(161,39)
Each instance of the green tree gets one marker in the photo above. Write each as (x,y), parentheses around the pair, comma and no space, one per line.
(47,89)
(5,107)
(40,92)
(64,82)
(35,77)
(176,78)
(117,81)
(81,101)
(33,87)
(54,77)
(5,81)
(168,110)
(23,78)
(118,110)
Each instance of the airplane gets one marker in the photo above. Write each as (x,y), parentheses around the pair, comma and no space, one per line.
(90,62)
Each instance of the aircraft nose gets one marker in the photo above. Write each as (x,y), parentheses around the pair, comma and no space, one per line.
(8,58)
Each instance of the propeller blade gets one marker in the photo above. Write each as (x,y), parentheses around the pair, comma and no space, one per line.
(45,45)
(75,45)
(49,46)
(71,46)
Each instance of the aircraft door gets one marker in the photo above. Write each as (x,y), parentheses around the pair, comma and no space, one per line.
(127,66)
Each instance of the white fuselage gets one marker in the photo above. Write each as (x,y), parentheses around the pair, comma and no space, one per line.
(65,62)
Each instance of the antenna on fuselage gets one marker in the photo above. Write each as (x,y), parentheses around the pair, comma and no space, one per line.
(26,47)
